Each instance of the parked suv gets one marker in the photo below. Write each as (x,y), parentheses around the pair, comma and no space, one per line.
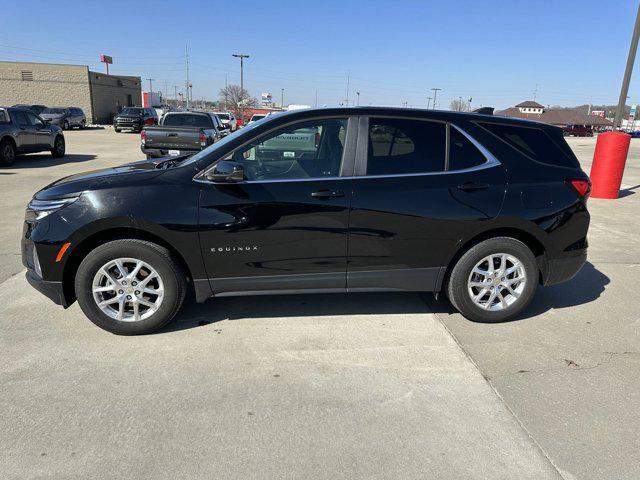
(228,119)
(134,118)
(22,131)
(65,117)
(366,199)
(578,131)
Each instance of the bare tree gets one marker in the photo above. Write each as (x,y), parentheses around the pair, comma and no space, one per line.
(458,105)
(236,99)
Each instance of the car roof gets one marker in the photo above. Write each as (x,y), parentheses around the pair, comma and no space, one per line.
(446,115)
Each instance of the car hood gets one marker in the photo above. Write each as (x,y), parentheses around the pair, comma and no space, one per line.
(98,179)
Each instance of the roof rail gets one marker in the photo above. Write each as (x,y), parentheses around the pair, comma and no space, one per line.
(484,110)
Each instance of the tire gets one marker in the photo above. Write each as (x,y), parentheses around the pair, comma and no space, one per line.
(170,279)
(116,129)
(83,125)
(8,153)
(65,125)
(490,309)
(58,147)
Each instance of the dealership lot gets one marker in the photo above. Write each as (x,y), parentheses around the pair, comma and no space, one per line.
(367,386)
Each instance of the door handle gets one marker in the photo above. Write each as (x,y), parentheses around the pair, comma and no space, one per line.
(471,186)
(326,193)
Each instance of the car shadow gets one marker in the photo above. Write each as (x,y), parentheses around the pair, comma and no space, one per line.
(586,287)
(304,305)
(46,160)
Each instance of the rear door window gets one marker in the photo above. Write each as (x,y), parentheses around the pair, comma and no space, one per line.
(542,145)
(400,146)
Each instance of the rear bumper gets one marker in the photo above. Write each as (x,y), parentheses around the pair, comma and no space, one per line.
(51,290)
(161,152)
(563,269)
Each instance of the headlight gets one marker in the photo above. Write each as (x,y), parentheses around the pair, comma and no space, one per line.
(38,209)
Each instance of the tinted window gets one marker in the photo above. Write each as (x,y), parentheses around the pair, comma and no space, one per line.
(187,120)
(4,116)
(399,146)
(307,150)
(462,153)
(541,145)
(131,111)
(21,118)
(223,116)
(33,120)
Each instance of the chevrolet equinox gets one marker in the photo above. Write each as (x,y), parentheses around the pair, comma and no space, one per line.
(367,199)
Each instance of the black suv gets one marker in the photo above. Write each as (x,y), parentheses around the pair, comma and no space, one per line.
(321,200)
(134,119)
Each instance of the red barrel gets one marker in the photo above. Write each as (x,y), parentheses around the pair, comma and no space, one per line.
(608,164)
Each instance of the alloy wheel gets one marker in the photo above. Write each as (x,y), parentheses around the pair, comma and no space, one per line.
(496,281)
(128,289)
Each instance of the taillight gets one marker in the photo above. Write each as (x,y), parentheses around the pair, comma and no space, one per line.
(143,137)
(317,140)
(583,187)
(203,140)
(150,121)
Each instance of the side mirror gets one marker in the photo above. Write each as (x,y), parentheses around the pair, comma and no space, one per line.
(226,171)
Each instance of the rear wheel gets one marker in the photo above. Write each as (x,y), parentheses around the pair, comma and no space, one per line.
(7,153)
(130,287)
(58,147)
(83,124)
(494,280)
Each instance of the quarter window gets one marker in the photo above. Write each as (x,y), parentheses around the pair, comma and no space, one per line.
(462,153)
(398,146)
(307,150)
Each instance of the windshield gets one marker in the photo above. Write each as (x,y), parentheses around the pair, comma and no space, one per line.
(53,111)
(187,120)
(223,116)
(255,118)
(131,111)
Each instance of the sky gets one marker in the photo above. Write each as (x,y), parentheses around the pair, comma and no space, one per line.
(496,52)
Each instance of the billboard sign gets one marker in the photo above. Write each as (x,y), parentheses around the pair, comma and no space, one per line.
(106,58)
(598,113)
(632,113)
(266,98)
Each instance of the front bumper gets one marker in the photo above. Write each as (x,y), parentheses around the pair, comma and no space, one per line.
(128,125)
(51,290)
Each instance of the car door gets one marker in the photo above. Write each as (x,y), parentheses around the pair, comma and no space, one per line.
(26,136)
(285,226)
(421,188)
(42,133)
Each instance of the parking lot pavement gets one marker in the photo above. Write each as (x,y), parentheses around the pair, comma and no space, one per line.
(359,386)
(569,368)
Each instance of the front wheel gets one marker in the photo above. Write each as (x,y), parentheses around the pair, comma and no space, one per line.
(58,147)
(494,280)
(65,125)
(7,153)
(130,287)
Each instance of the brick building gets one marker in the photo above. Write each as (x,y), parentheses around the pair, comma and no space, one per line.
(98,94)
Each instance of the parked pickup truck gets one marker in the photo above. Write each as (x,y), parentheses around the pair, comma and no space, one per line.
(181,133)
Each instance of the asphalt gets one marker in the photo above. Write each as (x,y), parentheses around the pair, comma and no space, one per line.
(316,386)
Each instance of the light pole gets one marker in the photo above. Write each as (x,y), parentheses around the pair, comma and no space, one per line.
(435,95)
(282,98)
(358,101)
(150,88)
(428,102)
(627,72)
(241,56)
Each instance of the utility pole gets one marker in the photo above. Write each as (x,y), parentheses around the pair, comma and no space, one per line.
(186,57)
(166,93)
(241,56)
(358,102)
(316,98)
(282,98)
(428,102)
(348,78)
(226,92)
(627,72)
(175,94)
(435,95)
(151,84)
